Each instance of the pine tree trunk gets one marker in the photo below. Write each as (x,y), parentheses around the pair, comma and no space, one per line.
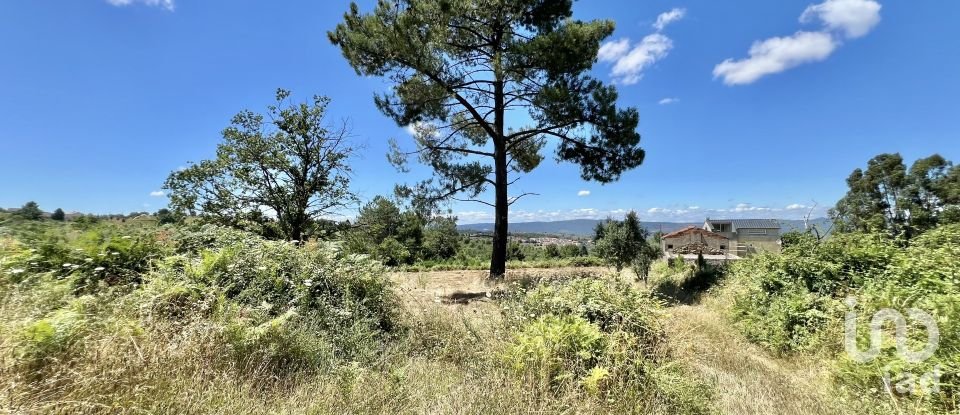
(498,261)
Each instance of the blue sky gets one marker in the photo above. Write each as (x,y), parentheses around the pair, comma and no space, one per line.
(752,109)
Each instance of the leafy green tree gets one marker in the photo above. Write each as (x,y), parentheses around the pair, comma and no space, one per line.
(291,162)
(888,197)
(515,252)
(410,233)
(392,252)
(165,216)
(379,219)
(621,243)
(570,251)
(30,211)
(461,68)
(58,215)
(552,251)
(441,239)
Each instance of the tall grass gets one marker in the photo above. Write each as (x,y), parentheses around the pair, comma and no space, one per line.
(797,302)
(211,320)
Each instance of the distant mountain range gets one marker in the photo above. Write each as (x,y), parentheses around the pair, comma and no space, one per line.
(584,227)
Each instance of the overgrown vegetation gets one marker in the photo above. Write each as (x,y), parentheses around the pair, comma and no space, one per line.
(796,302)
(211,319)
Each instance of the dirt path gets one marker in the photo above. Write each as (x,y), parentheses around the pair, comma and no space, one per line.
(746,379)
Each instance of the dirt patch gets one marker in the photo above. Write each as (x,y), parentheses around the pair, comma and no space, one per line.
(469,288)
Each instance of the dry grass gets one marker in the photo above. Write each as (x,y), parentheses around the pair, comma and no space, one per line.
(747,380)
(449,361)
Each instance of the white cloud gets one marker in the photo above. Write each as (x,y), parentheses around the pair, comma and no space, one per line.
(583,193)
(613,50)
(629,68)
(418,128)
(776,55)
(157,193)
(854,18)
(667,101)
(668,17)
(842,19)
(165,4)
(746,207)
(796,206)
(678,213)
(631,59)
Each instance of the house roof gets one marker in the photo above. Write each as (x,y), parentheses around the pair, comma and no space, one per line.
(748,223)
(693,229)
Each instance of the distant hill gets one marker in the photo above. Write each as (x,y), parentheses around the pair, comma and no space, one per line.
(584,227)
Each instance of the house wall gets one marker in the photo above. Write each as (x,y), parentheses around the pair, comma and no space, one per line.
(689,238)
(769,242)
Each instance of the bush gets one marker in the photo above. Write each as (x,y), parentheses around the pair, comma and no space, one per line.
(601,335)
(319,278)
(557,348)
(278,345)
(53,337)
(795,302)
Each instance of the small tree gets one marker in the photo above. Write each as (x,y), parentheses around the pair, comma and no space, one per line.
(441,239)
(290,163)
(621,243)
(30,211)
(515,251)
(165,216)
(58,215)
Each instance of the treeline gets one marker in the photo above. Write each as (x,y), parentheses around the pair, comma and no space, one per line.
(402,237)
(889,197)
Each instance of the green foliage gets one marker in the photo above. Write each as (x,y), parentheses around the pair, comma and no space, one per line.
(58,215)
(392,252)
(319,278)
(888,197)
(398,238)
(451,62)
(556,347)
(611,304)
(625,243)
(796,302)
(290,161)
(552,251)
(30,211)
(165,216)
(515,252)
(440,239)
(277,345)
(598,334)
(52,337)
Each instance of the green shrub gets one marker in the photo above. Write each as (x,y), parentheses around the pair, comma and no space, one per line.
(601,335)
(556,348)
(53,337)
(795,302)
(607,302)
(278,345)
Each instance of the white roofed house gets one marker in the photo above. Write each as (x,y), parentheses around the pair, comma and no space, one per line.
(747,236)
